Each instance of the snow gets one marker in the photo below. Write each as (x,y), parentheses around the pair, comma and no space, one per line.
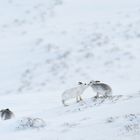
(48,46)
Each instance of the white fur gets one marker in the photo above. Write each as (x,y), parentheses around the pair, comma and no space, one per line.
(74,93)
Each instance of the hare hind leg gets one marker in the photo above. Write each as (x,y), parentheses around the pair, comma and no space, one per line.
(97,95)
(106,95)
(80,98)
(77,100)
(63,102)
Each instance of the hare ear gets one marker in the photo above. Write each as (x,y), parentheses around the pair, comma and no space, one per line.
(80,83)
(91,81)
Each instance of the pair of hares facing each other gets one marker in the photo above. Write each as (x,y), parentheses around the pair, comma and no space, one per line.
(101,89)
(6,114)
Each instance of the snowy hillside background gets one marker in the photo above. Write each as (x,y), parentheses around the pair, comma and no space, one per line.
(47,46)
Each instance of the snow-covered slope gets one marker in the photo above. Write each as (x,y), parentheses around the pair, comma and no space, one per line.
(47,46)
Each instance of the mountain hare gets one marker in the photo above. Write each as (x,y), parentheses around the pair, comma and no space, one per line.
(75,92)
(101,88)
(6,114)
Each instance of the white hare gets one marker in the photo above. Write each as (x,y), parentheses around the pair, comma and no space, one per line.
(101,88)
(75,92)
